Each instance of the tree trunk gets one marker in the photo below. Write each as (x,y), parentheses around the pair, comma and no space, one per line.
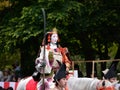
(28,55)
(88,52)
(102,55)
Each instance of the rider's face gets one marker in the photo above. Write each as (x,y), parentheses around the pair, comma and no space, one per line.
(63,82)
(112,80)
(54,38)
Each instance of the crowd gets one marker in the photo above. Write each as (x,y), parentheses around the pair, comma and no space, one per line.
(10,74)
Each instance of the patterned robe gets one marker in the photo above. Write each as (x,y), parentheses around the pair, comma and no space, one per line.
(52,56)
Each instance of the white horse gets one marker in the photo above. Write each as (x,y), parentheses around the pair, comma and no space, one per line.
(88,84)
(73,84)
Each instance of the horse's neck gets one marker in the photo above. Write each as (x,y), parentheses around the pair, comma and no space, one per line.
(94,83)
(90,83)
(82,83)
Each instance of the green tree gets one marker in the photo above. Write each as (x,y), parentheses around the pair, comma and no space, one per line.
(88,28)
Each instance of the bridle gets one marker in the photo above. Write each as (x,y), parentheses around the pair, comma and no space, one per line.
(103,87)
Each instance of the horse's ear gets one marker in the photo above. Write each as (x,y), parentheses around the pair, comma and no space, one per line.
(103,83)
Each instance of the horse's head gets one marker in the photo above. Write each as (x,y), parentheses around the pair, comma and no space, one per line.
(105,85)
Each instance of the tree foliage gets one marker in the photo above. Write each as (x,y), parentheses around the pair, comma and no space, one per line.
(87,27)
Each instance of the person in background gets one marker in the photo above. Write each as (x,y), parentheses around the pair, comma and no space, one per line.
(6,75)
(76,67)
(16,71)
(1,75)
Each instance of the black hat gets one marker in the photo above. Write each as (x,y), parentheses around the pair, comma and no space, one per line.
(61,72)
(111,73)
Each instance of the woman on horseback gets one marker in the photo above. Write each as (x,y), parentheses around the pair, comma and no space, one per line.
(51,55)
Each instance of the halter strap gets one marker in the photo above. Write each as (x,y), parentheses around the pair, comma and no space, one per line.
(104,87)
(97,88)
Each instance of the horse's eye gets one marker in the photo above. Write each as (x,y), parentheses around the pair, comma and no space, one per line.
(38,61)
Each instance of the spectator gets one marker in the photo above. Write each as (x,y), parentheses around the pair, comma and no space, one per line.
(13,76)
(76,67)
(17,71)
(9,88)
(1,75)
(7,75)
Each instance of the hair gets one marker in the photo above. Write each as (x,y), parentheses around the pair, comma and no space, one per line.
(9,88)
(1,88)
(47,37)
(56,82)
